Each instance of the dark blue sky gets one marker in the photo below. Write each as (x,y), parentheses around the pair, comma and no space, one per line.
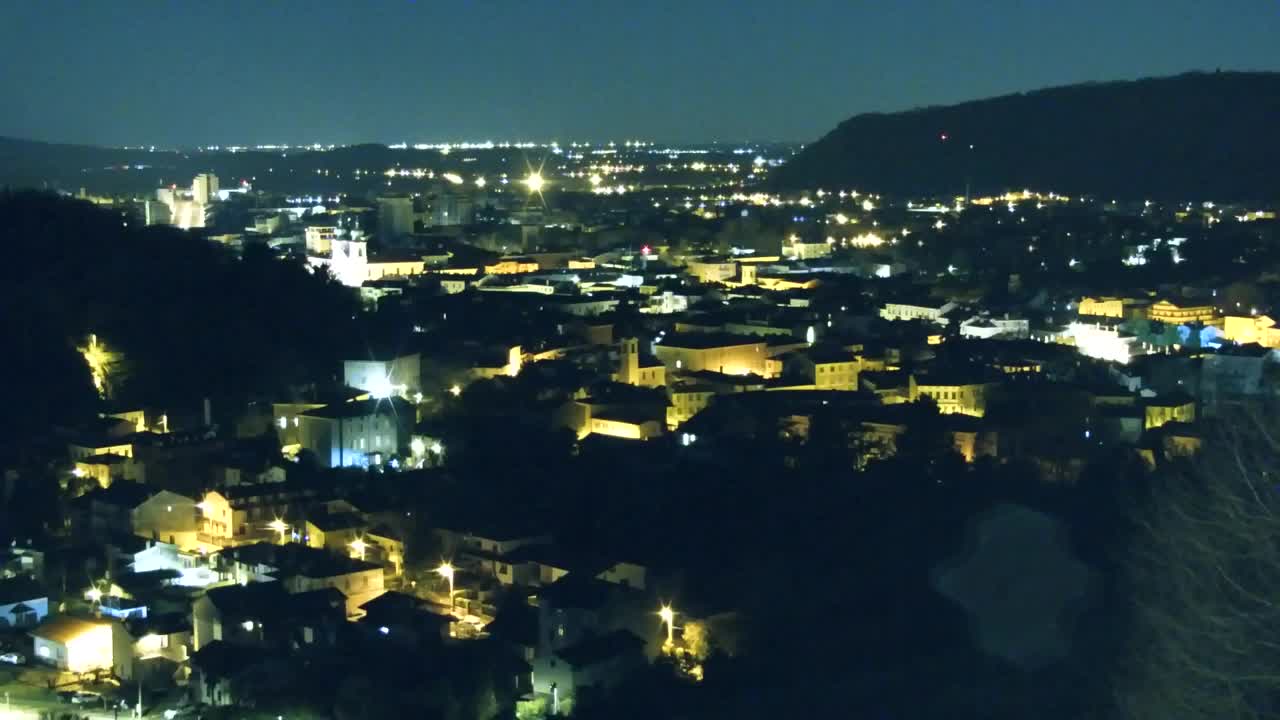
(174,72)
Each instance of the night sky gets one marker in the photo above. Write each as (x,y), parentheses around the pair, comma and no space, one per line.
(174,72)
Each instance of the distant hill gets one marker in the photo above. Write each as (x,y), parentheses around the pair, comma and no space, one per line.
(1194,136)
(29,163)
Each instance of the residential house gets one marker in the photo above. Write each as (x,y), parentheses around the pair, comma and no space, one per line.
(405,619)
(24,602)
(109,467)
(592,665)
(335,531)
(244,514)
(81,645)
(360,433)
(266,615)
(300,569)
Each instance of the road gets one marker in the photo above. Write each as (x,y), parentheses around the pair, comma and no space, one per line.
(30,709)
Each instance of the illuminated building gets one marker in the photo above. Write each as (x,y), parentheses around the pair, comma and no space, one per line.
(825,368)
(990,327)
(361,433)
(79,645)
(155,212)
(930,311)
(1247,329)
(397,375)
(395,217)
(687,400)
(508,364)
(711,271)
(718,352)
(86,447)
(107,468)
(204,189)
(335,531)
(243,513)
(633,370)
(620,423)
(320,240)
(1173,408)
(965,396)
(1110,307)
(794,249)
(1167,312)
(511,266)
(1103,341)
(167,516)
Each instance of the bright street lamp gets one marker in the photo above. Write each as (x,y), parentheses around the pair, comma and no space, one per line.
(358,546)
(669,617)
(446,571)
(535,182)
(94,595)
(279,526)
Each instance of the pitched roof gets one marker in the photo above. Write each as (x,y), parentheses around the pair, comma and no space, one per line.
(20,589)
(338,521)
(219,659)
(64,628)
(297,559)
(601,648)
(122,493)
(578,591)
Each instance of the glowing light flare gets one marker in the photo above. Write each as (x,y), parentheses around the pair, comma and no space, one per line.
(358,548)
(535,182)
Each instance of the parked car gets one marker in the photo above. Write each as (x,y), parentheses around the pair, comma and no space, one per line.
(79,697)
(13,658)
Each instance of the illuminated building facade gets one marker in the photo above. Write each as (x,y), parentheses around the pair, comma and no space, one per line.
(362,433)
(1168,312)
(930,312)
(633,370)
(320,240)
(399,375)
(1246,329)
(728,354)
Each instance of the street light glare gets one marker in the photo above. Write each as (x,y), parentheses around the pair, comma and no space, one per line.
(534,182)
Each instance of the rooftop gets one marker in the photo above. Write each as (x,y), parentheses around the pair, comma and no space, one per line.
(708,340)
(297,559)
(64,628)
(20,589)
(363,408)
(601,648)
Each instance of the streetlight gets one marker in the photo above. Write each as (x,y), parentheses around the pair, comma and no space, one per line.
(359,546)
(669,617)
(279,526)
(94,595)
(535,182)
(446,571)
